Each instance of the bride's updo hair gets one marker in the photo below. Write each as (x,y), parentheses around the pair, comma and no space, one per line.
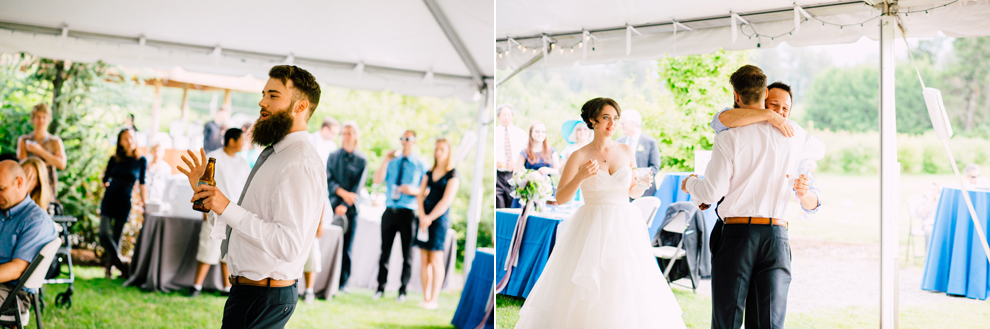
(593,108)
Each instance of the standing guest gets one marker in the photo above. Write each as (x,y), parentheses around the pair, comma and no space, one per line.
(314,262)
(267,233)
(646,148)
(347,169)
(538,155)
(230,173)
(323,140)
(39,143)
(20,217)
(973,177)
(509,140)
(158,172)
(213,130)
(437,193)
(124,169)
(581,136)
(37,180)
(402,172)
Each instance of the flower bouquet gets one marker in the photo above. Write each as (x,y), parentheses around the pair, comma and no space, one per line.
(531,187)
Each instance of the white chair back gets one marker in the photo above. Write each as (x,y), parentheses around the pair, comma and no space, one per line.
(648,205)
(678,224)
(38,277)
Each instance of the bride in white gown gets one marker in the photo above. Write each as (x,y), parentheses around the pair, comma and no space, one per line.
(602,272)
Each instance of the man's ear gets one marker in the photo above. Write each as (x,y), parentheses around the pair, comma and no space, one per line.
(736,98)
(20,182)
(301,105)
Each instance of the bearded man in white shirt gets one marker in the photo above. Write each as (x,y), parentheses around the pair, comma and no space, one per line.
(752,171)
(269,231)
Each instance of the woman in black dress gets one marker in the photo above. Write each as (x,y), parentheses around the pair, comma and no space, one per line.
(438,189)
(124,169)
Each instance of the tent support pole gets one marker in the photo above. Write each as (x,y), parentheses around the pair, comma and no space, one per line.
(889,171)
(477,181)
(530,62)
(156,108)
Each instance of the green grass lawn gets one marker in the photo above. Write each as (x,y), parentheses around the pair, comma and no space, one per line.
(101,303)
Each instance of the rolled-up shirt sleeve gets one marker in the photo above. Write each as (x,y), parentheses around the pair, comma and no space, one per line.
(716,182)
(297,198)
(716,124)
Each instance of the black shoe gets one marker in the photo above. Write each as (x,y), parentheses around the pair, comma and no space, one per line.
(193,292)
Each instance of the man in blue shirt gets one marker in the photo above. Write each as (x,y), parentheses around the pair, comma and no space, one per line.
(402,174)
(24,229)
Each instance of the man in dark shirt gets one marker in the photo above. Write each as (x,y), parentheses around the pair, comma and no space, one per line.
(346,172)
(213,131)
(25,229)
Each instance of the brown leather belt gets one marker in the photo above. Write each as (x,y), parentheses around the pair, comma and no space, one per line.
(755,220)
(266,282)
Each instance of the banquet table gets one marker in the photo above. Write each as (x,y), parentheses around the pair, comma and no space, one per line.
(956,263)
(366,250)
(537,243)
(669,191)
(165,256)
(477,291)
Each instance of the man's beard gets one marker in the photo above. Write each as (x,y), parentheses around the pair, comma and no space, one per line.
(272,130)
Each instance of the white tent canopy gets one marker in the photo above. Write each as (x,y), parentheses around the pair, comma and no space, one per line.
(771,23)
(394,45)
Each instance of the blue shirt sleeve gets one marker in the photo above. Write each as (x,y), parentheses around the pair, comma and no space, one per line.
(813,188)
(717,125)
(38,231)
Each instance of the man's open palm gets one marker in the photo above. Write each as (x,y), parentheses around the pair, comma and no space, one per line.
(196,165)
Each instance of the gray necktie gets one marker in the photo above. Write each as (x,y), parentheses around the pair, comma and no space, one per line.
(261,160)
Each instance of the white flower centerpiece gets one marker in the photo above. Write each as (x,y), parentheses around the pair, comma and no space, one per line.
(531,188)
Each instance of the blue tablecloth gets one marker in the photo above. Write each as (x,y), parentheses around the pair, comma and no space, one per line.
(669,191)
(956,263)
(534,252)
(477,289)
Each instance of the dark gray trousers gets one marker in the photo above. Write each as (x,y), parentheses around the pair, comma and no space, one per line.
(259,307)
(751,272)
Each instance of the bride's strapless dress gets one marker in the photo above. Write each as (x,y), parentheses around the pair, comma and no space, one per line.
(602,272)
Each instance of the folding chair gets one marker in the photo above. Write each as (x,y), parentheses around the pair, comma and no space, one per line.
(915,230)
(62,257)
(678,225)
(649,205)
(10,310)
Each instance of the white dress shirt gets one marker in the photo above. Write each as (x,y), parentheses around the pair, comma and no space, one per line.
(230,174)
(750,167)
(517,138)
(632,141)
(272,228)
(323,147)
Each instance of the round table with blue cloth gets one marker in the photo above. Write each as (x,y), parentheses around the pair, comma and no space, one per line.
(477,290)
(956,263)
(537,242)
(669,191)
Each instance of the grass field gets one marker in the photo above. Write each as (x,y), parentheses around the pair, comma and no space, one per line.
(101,303)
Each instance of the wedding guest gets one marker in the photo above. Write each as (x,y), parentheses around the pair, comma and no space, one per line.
(538,155)
(213,130)
(347,169)
(267,233)
(509,140)
(647,149)
(37,180)
(158,172)
(129,122)
(19,217)
(438,189)
(124,169)
(314,262)
(324,139)
(581,136)
(974,178)
(230,173)
(39,143)
(402,173)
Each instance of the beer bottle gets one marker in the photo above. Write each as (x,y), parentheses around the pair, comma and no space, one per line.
(208,180)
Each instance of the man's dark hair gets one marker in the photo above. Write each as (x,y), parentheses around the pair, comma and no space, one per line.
(302,81)
(750,83)
(231,134)
(781,86)
(593,108)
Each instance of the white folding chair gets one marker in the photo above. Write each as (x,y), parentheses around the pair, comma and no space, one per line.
(32,278)
(649,205)
(672,254)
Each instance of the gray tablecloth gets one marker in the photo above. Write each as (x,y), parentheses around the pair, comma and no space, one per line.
(367,248)
(165,257)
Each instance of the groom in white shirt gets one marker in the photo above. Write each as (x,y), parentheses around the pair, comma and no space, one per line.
(269,231)
(754,168)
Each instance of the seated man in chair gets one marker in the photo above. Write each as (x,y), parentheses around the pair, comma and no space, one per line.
(25,228)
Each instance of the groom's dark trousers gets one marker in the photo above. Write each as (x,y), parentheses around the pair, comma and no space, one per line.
(751,271)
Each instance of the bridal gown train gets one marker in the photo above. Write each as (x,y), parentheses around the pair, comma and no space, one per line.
(602,272)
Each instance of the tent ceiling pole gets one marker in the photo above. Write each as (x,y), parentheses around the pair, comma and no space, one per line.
(889,170)
(455,41)
(519,69)
(477,180)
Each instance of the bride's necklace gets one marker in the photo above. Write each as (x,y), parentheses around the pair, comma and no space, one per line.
(604,160)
